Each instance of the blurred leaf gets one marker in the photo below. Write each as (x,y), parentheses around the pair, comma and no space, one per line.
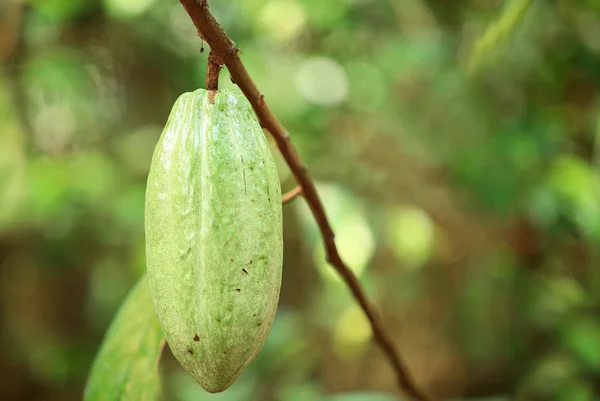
(582,337)
(57,189)
(61,10)
(554,298)
(577,390)
(45,190)
(326,14)
(575,184)
(547,377)
(126,365)
(499,172)
(572,178)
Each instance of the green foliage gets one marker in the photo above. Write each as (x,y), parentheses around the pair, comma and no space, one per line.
(126,367)
(580,336)
(59,10)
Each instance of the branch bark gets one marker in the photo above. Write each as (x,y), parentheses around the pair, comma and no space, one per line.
(291,195)
(226,52)
(212,73)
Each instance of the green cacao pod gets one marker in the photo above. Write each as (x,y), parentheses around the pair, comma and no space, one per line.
(214,244)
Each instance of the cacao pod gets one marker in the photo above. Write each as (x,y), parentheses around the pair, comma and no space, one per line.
(214,244)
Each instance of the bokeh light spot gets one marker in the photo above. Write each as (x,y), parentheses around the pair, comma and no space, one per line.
(322,81)
(411,235)
(127,8)
(282,20)
(355,243)
(352,330)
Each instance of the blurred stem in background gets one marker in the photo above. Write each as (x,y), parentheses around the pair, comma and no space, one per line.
(14,54)
(497,33)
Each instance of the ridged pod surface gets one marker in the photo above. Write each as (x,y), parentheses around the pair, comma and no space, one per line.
(214,244)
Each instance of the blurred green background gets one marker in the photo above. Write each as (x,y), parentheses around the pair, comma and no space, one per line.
(459,172)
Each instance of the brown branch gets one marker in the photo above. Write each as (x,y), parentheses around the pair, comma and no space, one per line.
(212,73)
(291,195)
(226,52)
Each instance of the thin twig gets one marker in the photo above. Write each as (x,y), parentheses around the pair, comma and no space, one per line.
(497,32)
(226,52)
(291,195)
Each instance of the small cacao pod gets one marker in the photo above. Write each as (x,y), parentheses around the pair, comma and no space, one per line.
(214,244)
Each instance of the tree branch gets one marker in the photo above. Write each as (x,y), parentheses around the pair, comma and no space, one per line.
(226,52)
(212,73)
(291,195)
